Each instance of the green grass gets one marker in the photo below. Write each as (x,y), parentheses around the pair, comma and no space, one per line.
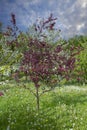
(64,108)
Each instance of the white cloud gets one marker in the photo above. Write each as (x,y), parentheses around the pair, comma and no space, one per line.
(79,26)
(82,3)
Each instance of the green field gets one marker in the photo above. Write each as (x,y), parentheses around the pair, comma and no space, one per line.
(64,108)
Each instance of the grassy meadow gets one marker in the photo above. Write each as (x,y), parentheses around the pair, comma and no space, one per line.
(64,108)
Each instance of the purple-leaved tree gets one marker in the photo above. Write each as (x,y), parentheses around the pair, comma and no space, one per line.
(43,62)
(46,64)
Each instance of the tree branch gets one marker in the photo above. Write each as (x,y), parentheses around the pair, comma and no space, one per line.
(29,90)
(47,90)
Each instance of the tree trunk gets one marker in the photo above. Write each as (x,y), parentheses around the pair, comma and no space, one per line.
(37,98)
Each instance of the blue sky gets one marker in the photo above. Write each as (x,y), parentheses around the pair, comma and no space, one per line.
(71,14)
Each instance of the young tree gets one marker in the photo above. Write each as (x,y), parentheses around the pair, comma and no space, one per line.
(43,62)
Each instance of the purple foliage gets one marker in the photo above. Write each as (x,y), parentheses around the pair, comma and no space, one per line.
(43,62)
(1,93)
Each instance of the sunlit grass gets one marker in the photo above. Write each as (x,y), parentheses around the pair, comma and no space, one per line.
(64,108)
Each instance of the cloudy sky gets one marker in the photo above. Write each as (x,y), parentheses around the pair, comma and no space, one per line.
(71,14)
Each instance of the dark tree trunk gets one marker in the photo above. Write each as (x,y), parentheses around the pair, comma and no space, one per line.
(37,98)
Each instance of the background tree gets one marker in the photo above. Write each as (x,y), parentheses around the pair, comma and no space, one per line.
(82,62)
